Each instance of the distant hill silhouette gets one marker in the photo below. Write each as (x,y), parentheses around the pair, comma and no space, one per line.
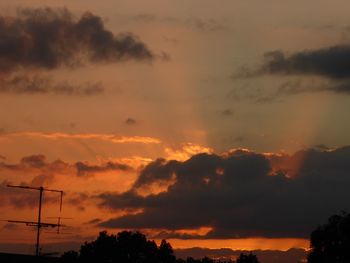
(269,256)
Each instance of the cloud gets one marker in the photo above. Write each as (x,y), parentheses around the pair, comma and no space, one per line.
(41,172)
(84,169)
(176,235)
(38,164)
(35,161)
(79,200)
(93,221)
(144,17)
(86,136)
(20,198)
(50,38)
(295,87)
(10,226)
(201,24)
(332,64)
(226,112)
(130,121)
(158,171)
(239,194)
(208,25)
(34,164)
(34,84)
(186,151)
(291,87)
(255,94)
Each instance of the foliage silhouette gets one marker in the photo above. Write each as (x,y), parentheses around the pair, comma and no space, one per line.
(70,256)
(103,249)
(247,258)
(165,252)
(330,243)
(192,260)
(125,247)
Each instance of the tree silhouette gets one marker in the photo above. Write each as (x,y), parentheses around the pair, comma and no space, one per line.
(103,249)
(166,253)
(330,243)
(192,260)
(247,258)
(70,256)
(125,247)
(207,260)
(134,247)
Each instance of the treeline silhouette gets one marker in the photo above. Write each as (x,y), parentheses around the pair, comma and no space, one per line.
(134,247)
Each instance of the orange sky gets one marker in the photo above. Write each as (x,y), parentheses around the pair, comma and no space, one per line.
(114,116)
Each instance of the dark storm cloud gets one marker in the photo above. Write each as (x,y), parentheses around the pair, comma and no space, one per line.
(157,171)
(242,194)
(50,38)
(34,84)
(175,235)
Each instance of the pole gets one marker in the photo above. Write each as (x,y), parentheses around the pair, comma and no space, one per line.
(41,189)
(38,224)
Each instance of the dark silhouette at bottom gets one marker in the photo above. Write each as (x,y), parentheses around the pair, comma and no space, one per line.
(330,243)
(128,247)
(247,258)
(125,247)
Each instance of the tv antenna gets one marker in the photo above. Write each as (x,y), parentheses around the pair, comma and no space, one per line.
(39,224)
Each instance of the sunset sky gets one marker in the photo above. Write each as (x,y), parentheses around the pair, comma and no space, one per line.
(208,123)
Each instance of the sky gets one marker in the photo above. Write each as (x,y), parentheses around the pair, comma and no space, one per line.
(208,123)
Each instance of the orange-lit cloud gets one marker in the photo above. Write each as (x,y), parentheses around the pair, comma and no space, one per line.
(186,151)
(86,136)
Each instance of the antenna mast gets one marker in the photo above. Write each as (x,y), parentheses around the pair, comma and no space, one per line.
(38,224)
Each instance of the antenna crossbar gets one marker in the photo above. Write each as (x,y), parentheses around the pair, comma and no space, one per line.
(38,224)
